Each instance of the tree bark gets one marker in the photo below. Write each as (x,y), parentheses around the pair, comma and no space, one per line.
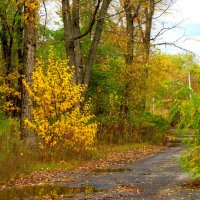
(30,37)
(131,12)
(6,37)
(77,43)
(130,32)
(6,43)
(95,41)
(68,30)
(149,12)
(20,52)
(71,19)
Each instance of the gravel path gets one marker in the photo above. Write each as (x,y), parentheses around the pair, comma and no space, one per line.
(156,177)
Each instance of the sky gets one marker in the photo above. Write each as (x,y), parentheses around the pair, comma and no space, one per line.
(187,11)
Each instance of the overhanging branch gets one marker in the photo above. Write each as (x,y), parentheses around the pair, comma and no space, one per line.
(92,22)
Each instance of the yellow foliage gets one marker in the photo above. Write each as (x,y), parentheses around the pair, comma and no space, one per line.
(8,92)
(57,118)
(31,11)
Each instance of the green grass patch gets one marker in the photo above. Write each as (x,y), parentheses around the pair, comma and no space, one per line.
(103,150)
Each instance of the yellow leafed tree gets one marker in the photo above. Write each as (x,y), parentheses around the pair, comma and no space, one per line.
(57,118)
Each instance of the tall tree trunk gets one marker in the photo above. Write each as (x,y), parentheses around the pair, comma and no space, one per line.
(131,12)
(72,30)
(20,52)
(68,30)
(95,41)
(7,42)
(71,19)
(6,37)
(130,32)
(149,12)
(30,37)
(77,42)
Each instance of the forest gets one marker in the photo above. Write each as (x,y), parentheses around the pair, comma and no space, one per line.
(79,76)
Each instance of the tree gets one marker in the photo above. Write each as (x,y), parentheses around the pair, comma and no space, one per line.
(30,39)
(139,18)
(11,37)
(73,36)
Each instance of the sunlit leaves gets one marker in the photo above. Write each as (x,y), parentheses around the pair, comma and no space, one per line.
(57,117)
(31,7)
(9,93)
(186,106)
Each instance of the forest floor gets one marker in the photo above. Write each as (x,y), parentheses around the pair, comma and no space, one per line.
(148,173)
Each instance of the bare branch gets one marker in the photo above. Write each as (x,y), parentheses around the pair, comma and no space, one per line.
(165,29)
(92,22)
(46,15)
(165,10)
(174,45)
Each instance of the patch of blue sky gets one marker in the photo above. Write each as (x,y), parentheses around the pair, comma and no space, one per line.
(192,30)
(187,11)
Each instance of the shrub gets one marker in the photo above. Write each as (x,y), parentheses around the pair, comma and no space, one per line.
(57,117)
(150,127)
(189,124)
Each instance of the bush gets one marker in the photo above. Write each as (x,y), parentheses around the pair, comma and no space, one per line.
(191,161)
(150,127)
(138,127)
(57,117)
(189,122)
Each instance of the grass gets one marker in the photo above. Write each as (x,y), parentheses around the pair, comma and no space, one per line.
(5,127)
(103,150)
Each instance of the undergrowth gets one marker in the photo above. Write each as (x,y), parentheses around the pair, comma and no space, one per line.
(16,158)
